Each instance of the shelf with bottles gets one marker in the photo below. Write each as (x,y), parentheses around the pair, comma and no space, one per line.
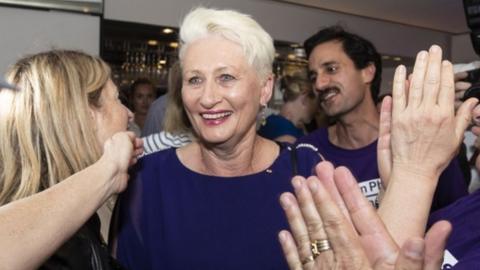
(135,50)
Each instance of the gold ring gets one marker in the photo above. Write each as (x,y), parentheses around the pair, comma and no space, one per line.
(319,246)
(309,259)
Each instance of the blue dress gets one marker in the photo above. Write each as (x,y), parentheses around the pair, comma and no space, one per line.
(174,218)
(276,126)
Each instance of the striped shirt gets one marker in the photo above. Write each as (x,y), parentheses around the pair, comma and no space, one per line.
(163,140)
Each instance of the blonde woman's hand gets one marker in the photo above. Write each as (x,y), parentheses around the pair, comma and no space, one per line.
(121,152)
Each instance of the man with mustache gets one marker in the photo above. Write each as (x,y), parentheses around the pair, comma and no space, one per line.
(345,70)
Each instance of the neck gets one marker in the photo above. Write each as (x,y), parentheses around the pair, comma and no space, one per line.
(140,119)
(357,128)
(251,155)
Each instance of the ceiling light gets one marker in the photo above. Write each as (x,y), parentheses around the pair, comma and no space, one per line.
(173,44)
(397,58)
(152,42)
(167,30)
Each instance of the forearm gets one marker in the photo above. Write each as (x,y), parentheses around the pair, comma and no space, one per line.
(406,204)
(33,228)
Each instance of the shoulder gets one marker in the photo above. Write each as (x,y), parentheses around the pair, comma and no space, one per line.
(316,138)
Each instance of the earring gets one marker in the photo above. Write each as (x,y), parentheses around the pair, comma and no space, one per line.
(263,117)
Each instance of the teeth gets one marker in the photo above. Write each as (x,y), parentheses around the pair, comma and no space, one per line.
(328,93)
(211,116)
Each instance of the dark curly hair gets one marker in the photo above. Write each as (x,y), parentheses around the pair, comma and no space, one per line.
(359,50)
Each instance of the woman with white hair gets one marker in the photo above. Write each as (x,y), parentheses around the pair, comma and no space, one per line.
(213,204)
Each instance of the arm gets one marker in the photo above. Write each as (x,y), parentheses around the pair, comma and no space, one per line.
(422,134)
(37,226)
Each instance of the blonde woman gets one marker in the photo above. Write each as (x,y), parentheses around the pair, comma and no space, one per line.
(66,107)
(297,110)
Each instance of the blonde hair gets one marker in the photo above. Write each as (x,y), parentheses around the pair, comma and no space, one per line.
(232,25)
(46,130)
(176,120)
(293,87)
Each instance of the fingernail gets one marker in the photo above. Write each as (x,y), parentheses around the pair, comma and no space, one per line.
(434,48)
(285,201)
(296,183)
(282,236)
(313,185)
(422,55)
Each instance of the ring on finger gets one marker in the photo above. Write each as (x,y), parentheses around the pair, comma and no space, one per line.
(319,246)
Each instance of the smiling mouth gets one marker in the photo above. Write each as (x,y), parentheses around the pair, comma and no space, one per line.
(215,116)
(328,93)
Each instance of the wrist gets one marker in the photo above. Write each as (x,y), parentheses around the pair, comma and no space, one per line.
(106,171)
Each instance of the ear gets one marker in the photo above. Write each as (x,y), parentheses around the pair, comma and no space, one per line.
(368,73)
(267,90)
(94,115)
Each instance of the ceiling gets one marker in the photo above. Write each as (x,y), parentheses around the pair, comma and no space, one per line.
(442,15)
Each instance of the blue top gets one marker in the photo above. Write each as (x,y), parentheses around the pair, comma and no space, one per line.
(276,126)
(363,164)
(174,218)
(463,246)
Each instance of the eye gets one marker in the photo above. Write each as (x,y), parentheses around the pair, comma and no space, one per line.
(226,78)
(331,69)
(312,76)
(194,80)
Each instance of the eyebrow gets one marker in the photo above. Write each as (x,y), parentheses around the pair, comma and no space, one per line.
(328,63)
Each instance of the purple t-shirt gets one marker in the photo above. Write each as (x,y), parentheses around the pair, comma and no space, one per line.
(363,164)
(463,246)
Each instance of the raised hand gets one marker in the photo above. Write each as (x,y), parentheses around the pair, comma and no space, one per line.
(419,135)
(332,208)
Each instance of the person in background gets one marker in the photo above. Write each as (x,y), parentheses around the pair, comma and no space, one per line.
(142,95)
(345,70)
(54,125)
(171,132)
(156,114)
(213,204)
(297,110)
(333,226)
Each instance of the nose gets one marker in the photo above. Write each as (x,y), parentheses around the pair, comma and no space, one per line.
(321,81)
(130,115)
(210,95)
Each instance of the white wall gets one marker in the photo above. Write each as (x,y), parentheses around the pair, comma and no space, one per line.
(26,31)
(284,21)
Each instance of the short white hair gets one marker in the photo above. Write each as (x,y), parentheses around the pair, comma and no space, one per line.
(234,26)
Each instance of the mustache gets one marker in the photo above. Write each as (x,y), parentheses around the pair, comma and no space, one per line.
(325,91)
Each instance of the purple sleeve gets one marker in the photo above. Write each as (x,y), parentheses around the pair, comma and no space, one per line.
(130,247)
(451,186)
